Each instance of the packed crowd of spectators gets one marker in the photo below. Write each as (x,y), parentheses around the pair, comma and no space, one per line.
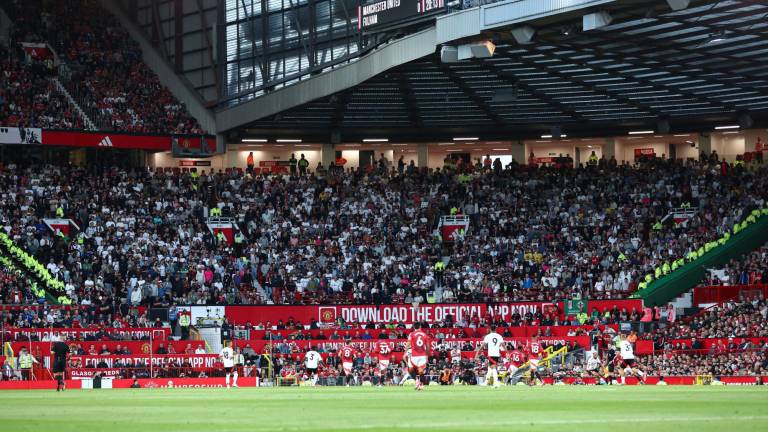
(15,288)
(358,237)
(744,359)
(748,270)
(732,320)
(452,361)
(106,73)
(747,362)
(28,96)
(105,322)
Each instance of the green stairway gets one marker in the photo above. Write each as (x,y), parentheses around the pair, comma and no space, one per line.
(664,289)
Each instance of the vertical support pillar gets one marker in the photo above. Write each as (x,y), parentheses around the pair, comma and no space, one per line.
(609,148)
(423,155)
(705,144)
(327,154)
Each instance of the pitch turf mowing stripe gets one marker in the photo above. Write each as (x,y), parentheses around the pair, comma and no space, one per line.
(437,408)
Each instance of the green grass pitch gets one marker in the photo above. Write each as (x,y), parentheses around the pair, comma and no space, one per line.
(623,409)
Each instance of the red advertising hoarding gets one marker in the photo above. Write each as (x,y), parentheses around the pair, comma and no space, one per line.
(195,361)
(78,374)
(431,313)
(45,334)
(123,140)
(152,383)
(106,140)
(135,347)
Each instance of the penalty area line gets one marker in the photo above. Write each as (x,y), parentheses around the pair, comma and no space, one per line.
(535,422)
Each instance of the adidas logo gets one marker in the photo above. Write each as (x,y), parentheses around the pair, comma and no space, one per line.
(105,142)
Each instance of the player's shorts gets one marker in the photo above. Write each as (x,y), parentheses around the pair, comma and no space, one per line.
(383,364)
(347,367)
(512,370)
(630,363)
(229,369)
(611,368)
(59,365)
(493,360)
(312,371)
(418,362)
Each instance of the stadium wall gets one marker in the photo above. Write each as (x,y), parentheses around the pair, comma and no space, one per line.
(728,146)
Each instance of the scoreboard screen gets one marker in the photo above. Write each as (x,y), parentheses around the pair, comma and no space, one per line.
(379,13)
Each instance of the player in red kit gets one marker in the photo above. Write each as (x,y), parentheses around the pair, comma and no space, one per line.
(382,351)
(515,359)
(535,356)
(418,342)
(347,355)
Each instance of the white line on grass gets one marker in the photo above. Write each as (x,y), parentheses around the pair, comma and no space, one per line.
(534,422)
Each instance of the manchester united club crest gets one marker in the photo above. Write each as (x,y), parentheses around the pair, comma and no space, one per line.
(327,314)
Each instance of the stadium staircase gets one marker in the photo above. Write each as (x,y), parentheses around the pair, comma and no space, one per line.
(18,261)
(89,124)
(262,293)
(746,236)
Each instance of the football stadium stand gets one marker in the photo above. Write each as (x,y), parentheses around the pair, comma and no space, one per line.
(178,177)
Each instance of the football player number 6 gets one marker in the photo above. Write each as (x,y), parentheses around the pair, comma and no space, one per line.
(419,342)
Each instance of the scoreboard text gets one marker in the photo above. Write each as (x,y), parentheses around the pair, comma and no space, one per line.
(390,11)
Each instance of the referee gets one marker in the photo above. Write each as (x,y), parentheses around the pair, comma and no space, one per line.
(59,350)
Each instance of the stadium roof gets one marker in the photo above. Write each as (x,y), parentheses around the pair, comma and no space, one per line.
(652,65)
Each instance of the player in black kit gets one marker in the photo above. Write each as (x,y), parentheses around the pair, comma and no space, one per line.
(59,350)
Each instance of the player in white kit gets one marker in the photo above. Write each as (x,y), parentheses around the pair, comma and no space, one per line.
(494,344)
(628,364)
(227,357)
(312,360)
